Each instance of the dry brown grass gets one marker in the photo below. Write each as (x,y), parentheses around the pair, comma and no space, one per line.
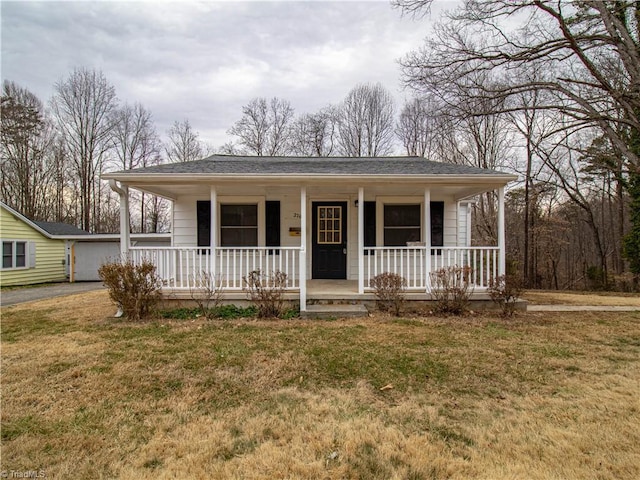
(550,297)
(543,396)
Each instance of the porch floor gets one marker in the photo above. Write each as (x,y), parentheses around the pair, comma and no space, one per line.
(322,291)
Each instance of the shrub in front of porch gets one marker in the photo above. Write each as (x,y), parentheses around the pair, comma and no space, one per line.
(266,291)
(505,291)
(451,289)
(206,292)
(390,292)
(134,288)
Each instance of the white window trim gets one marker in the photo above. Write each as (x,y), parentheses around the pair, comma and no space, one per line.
(244,200)
(381,201)
(29,251)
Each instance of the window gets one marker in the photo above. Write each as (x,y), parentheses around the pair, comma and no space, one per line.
(329,225)
(238,225)
(7,254)
(14,254)
(21,255)
(401,225)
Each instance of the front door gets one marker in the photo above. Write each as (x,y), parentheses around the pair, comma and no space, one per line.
(329,243)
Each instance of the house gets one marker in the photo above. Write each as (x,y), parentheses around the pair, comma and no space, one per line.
(331,223)
(39,252)
(33,252)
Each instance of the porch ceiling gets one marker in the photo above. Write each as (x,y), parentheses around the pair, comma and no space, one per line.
(460,189)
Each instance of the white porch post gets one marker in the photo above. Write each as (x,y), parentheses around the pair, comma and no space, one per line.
(125,237)
(303,249)
(501,235)
(213,230)
(427,237)
(360,240)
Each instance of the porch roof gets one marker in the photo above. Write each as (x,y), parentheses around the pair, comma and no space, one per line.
(174,179)
(231,165)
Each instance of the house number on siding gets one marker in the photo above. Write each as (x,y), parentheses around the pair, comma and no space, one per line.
(296,215)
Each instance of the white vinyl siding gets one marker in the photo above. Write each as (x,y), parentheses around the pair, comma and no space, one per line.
(185,224)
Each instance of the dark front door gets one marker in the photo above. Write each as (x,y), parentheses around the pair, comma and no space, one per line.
(329,243)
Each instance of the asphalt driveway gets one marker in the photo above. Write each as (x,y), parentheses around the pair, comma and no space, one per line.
(40,292)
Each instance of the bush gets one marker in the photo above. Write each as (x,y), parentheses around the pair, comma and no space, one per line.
(389,289)
(134,288)
(451,289)
(205,292)
(266,291)
(505,291)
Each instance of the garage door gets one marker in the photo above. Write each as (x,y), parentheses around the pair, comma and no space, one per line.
(90,255)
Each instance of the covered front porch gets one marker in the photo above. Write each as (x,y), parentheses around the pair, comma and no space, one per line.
(310,271)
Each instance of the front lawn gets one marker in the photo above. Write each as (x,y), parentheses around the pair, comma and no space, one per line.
(539,396)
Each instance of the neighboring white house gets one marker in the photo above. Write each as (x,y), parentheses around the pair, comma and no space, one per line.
(328,218)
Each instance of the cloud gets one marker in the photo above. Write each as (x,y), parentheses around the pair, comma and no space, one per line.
(204,60)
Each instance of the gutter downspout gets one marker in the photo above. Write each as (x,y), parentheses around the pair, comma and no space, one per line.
(125,238)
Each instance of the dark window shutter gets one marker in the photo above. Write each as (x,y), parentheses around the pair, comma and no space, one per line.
(272,221)
(437,224)
(369,224)
(203,211)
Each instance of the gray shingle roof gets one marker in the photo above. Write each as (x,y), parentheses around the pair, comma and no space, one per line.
(252,165)
(59,228)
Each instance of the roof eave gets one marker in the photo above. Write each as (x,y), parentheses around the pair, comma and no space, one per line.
(172,178)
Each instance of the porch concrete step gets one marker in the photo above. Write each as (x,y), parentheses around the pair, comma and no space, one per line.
(335,311)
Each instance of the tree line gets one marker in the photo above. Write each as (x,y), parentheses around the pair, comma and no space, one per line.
(558,92)
(555,99)
(53,154)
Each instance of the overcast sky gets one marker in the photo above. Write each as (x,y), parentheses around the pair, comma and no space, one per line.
(203,60)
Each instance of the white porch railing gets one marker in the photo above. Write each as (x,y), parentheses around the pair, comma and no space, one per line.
(411,263)
(178,267)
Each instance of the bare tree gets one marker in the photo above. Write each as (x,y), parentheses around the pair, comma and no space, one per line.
(135,141)
(420,127)
(315,134)
(83,106)
(576,44)
(28,181)
(136,144)
(265,127)
(184,144)
(366,122)
(587,53)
